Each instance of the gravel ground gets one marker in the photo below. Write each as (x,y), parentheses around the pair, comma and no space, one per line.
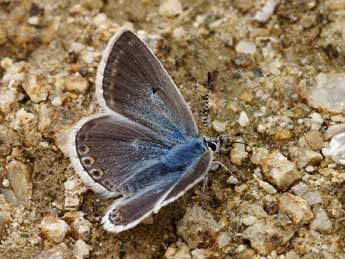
(280,87)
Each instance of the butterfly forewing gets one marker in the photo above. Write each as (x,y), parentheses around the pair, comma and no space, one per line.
(132,82)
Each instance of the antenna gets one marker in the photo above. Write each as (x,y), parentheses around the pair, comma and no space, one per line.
(205,115)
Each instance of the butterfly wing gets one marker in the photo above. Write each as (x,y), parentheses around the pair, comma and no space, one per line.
(107,150)
(126,213)
(132,82)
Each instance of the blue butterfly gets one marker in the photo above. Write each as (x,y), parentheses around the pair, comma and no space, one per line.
(145,146)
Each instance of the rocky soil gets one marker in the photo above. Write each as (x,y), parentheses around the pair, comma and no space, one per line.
(280,87)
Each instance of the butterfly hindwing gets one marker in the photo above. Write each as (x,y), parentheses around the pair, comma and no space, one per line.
(132,82)
(127,213)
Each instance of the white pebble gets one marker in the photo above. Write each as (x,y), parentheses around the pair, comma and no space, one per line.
(170,8)
(243,119)
(246,47)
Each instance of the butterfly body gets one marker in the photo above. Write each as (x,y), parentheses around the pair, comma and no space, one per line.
(145,145)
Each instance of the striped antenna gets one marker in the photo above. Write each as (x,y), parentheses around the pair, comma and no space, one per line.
(205,115)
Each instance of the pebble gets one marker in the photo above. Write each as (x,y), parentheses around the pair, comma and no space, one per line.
(336,5)
(73,189)
(198,228)
(283,135)
(6,63)
(36,88)
(329,93)
(19,176)
(245,47)
(334,130)
(262,233)
(321,223)
(59,251)
(305,157)
(266,12)
(336,149)
(243,120)
(299,189)
(219,126)
(204,254)
(267,187)
(295,207)
(54,228)
(81,228)
(76,83)
(312,198)
(81,250)
(8,98)
(23,119)
(232,180)
(279,171)
(314,139)
(178,250)
(238,153)
(88,56)
(316,121)
(170,8)
(223,239)
(99,19)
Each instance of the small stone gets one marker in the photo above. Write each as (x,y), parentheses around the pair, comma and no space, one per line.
(269,234)
(59,251)
(81,229)
(312,198)
(305,157)
(238,153)
(178,250)
(260,155)
(23,118)
(336,149)
(54,228)
(6,63)
(244,5)
(223,239)
(71,216)
(279,171)
(267,11)
(170,8)
(36,88)
(81,250)
(179,32)
(76,84)
(299,189)
(219,126)
(267,187)
(204,254)
(99,19)
(246,47)
(198,228)
(8,98)
(249,220)
(321,223)
(329,93)
(243,120)
(283,135)
(316,121)
(19,176)
(314,139)
(34,20)
(88,56)
(334,130)
(247,97)
(232,180)
(295,207)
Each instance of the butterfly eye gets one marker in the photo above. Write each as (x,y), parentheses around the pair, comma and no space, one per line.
(212,146)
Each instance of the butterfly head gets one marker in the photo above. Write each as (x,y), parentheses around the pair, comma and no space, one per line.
(214,143)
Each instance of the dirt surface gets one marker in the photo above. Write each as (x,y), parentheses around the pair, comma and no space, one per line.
(284,198)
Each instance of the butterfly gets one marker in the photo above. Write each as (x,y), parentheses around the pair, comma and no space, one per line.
(144,147)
